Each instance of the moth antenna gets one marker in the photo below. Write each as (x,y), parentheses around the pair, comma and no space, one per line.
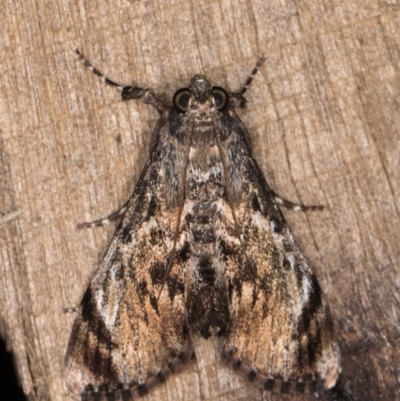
(127,92)
(259,63)
(97,72)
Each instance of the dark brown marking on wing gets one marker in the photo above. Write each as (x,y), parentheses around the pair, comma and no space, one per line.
(155,236)
(126,234)
(249,270)
(152,208)
(227,250)
(269,384)
(300,387)
(176,286)
(110,396)
(314,305)
(251,375)
(154,304)
(236,364)
(277,224)
(286,264)
(255,204)
(142,389)
(97,358)
(126,395)
(285,387)
(157,273)
(184,253)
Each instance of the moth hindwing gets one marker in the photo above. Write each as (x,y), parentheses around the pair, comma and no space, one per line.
(202,247)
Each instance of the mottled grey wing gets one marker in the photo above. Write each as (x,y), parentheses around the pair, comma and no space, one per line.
(281,335)
(129,337)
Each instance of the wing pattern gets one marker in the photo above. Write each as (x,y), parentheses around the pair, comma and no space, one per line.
(281,336)
(202,247)
(132,333)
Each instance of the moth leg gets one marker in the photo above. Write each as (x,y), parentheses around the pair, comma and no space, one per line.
(127,92)
(259,63)
(297,207)
(103,222)
(73,309)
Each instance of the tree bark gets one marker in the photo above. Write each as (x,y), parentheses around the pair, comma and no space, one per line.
(323,115)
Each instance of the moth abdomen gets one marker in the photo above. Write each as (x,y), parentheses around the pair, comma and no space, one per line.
(208,312)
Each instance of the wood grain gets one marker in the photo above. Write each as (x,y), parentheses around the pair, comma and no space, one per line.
(324,118)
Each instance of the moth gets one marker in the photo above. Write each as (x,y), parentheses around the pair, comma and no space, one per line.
(203,248)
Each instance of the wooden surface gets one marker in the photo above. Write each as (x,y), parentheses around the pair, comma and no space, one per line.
(324,117)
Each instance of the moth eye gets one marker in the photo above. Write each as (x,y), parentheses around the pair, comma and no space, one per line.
(181,99)
(220,96)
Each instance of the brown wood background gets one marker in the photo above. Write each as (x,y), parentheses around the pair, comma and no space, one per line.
(324,117)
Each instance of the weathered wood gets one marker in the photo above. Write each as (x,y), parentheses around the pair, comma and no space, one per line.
(323,115)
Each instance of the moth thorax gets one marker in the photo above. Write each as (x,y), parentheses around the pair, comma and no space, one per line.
(209,313)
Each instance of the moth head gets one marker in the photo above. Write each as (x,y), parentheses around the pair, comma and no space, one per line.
(200,91)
